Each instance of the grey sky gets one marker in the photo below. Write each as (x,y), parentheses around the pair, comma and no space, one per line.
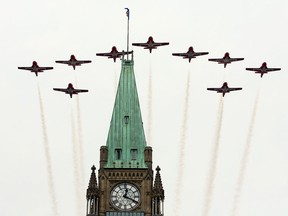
(46,31)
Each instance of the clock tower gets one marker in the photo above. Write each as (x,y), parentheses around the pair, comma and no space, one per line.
(126,184)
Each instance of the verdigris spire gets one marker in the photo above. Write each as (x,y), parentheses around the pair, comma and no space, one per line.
(126,140)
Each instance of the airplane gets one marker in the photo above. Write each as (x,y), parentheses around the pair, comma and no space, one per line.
(114,53)
(224,89)
(35,68)
(73,61)
(190,54)
(226,59)
(70,90)
(150,44)
(263,69)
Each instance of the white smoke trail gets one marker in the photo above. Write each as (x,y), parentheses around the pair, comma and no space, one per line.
(213,164)
(150,97)
(78,158)
(48,157)
(76,168)
(115,80)
(244,159)
(80,142)
(182,147)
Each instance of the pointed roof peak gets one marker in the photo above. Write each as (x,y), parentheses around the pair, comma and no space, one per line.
(158,190)
(93,180)
(92,188)
(126,139)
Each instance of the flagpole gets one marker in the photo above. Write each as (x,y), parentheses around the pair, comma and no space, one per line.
(128,38)
(128,14)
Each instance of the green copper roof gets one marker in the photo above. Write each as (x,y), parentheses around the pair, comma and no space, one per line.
(126,140)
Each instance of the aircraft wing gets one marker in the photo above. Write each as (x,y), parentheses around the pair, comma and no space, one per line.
(80,90)
(63,62)
(273,69)
(234,89)
(160,44)
(103,54)
(216,60)
(110,54)
(83,61)
(45,68)
(180,54)
(214,89)
(140,44)
(60,89)
(39,68)
(220,89)
(236,59)
(25,68)
(253,69)
(200,53)
(267,69)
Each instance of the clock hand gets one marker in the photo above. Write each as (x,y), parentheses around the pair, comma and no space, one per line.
(135,201)
(125,195)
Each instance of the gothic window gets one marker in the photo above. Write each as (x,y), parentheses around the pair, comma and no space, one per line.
(133,154)
(126,118)
(118,153)
(92,206)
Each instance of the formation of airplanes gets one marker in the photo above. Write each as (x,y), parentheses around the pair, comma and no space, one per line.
(150,44)
(70,90)
(73,61)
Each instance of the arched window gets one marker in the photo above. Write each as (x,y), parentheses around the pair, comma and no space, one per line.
(118,153)
(133,154)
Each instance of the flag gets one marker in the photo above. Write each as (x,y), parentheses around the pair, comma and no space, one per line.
(128,13)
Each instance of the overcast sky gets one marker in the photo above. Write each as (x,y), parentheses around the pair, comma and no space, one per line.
(218,156)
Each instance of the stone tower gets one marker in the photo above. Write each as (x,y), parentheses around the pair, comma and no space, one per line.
(125,176)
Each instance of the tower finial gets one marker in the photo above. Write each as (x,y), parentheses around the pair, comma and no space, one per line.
(128,18)
(93,180)
(158,187)
(158,169)
(93,168)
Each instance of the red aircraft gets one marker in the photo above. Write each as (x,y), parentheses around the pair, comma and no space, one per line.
(224,89)
(114,53)
(190,54)
(35,68)
(150,44)
(73,62)
(263,69)
(226,59)
(70,90)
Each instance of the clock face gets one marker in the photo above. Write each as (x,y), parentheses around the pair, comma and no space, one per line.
(125,196)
